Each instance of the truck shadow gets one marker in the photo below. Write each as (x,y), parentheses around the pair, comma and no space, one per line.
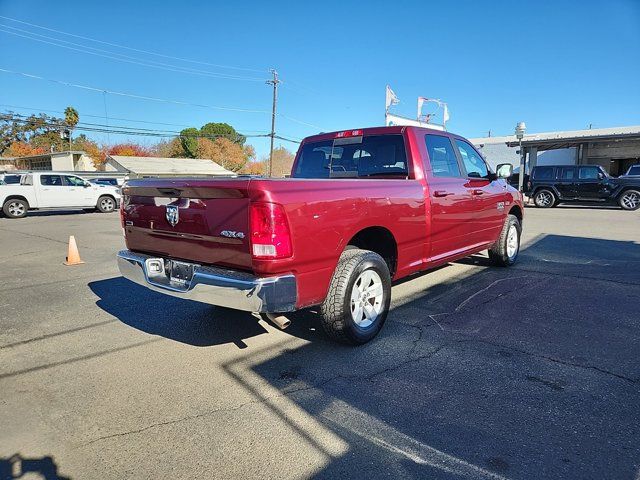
(492,373)
(526,372)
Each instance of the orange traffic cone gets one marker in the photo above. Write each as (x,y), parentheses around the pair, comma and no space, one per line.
(73,256)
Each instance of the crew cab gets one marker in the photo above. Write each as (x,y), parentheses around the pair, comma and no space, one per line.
(362,208)
(55,191)
(554,184)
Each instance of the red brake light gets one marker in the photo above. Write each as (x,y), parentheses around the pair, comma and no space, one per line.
(270,235)
(349,133)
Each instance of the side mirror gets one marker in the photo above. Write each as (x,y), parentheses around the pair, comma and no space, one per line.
(504,170)
(86,185)
(600,176)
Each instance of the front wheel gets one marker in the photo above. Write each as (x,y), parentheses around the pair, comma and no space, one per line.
(505,251)
(106,204)
(358,301)
(630,200)
(15,208)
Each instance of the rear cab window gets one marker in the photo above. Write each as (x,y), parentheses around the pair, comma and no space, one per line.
(364,156)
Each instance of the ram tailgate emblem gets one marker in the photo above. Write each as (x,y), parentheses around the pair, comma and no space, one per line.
(173,215)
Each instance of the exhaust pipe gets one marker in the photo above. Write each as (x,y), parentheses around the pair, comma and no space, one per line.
(279,321)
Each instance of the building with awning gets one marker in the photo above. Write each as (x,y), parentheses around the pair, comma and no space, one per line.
(615,149)
(137,167)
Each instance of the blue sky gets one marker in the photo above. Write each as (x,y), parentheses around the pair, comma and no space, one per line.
(556,65)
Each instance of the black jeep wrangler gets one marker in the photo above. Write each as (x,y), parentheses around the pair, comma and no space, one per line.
(551,185)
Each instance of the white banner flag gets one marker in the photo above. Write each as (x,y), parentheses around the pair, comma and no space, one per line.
(391,98)
(445,114)
(421,101)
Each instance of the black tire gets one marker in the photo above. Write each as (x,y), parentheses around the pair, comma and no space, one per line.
(337,318)
(499,253)
(629,200)
(15,208)
(106,204)
(544,198)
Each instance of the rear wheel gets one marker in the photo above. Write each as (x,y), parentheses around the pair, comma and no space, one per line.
(106,204)
(544,198)
(505,251)
(15,208)
(358,301)
(629,200)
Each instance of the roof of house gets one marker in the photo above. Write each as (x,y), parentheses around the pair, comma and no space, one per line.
(167,166)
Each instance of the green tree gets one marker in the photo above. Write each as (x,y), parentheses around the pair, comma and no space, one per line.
(189,141)
(212,130)
(71,117)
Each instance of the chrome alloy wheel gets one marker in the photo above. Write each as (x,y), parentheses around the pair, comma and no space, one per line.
(16,209)
(366,298)
(107,204)
(544,199)
(630,200)
(512,242)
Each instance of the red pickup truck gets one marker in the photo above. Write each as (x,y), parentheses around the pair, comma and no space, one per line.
(362,208)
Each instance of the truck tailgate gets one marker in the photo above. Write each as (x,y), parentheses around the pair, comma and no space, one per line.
(198,220)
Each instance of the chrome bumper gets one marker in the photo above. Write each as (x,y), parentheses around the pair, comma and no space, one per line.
(217,286)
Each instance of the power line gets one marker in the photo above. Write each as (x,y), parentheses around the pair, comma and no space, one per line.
(122,130)
(131,95)
(125,58)
(39,110)
(133,49)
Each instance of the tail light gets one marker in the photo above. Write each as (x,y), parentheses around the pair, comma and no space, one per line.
(270,235)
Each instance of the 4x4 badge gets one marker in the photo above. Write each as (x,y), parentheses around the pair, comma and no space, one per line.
(500,205)
(173,215)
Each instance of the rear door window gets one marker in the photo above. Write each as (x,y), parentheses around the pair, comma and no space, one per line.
(543,173)
(442,157)
(588,173)
(51,180)
(567,173)
(354,157)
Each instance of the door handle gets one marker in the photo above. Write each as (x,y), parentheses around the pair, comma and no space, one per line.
(477,192)
(441,193)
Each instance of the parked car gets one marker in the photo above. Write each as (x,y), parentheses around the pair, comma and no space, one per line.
(115,182)
(362,208)
(634,171)
(55,191)
(551,185)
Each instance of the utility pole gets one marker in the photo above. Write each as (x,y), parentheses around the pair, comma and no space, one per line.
(275,83)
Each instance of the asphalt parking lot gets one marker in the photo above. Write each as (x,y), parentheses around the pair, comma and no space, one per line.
(528,372)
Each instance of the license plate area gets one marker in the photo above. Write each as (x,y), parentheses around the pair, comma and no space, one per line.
(179,273)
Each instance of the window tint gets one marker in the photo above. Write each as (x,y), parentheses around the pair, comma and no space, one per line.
(74,181)
(588,173)
(543,173)
(635,170)
(567,173)
(444,162)
(51,180)
(367,156)
(473,162)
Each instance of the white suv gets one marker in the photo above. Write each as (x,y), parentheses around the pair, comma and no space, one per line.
(56,191)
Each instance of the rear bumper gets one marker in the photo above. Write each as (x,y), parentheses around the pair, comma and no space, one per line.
(217,286)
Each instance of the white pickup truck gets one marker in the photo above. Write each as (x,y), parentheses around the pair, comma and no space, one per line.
(56,191)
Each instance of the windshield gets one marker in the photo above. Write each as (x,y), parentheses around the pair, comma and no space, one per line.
(354,157)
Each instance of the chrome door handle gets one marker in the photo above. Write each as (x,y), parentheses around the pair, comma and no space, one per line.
(441,193)
(477,192)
